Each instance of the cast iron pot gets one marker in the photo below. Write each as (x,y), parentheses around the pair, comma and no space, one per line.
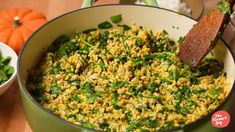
(157,19)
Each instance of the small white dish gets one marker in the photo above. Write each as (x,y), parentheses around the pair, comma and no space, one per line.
(5,51)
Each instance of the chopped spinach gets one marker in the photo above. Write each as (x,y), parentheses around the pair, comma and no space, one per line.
(153,123)
(125,27)
(193,80)
(138,41)
(116,107)
(175,75)
(103,39)
(105,25)
(58,42)
(5,70)
(104,125)
(89,30)
(181,39)
(118,84)
(87,88)
(214,92)
(102,64)
(170,124)
(152,87)
(88,125)
(55,89)
(115,96)
(116,18)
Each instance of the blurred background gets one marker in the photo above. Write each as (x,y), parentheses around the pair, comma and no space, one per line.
(11,114)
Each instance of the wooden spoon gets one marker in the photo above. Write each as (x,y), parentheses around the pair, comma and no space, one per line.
(205,34)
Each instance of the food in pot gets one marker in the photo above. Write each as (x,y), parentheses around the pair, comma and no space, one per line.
(6,70)
(125,79)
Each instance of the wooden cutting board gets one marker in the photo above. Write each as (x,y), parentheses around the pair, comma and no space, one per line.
(11,112)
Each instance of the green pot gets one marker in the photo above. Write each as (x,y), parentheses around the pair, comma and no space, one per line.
(41,120)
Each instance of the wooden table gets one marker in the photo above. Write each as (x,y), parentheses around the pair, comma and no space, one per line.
(11,113)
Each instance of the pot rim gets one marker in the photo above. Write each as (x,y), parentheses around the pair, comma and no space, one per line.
(23,87)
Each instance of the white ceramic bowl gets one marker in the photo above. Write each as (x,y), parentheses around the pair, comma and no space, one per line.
(7,51)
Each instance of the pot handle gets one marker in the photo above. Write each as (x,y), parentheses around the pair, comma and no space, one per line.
(232,26)
(89,3)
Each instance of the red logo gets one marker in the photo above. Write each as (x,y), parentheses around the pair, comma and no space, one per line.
(220,119)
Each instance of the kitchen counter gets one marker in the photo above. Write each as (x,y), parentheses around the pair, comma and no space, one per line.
(12,118)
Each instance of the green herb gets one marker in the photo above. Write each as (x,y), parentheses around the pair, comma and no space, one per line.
(164,32)
(199,91)
(103,39)
(137,62)
(183,111)
(125,27)
(102,64)
(66,49)
(89,30)
(86,43)
(152,87)
(170,124)
(116,107)
(175,75)
(55,90)
(182,93)
(73,116)
(153,123)
(192,103)
(118,84)
(181,39)
(138,41)
(128,117)
(74,97)
(115,97)
(91,99)
(105,25)
(87,88)
(116,18)
(58,42)
(96,111)
(122,59)
(213,92)
(193,80)
(104,125)
(88,125)
(83,50)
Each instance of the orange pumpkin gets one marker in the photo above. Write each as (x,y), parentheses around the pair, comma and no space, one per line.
(16,25)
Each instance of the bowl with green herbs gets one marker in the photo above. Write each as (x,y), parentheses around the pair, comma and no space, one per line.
(8,60)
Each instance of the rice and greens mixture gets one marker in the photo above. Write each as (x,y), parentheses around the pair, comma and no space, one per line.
(125,79)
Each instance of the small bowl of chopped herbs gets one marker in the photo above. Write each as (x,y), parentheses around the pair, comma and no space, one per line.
(8,61)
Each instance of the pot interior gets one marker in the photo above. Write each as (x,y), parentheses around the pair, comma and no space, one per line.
(153,18)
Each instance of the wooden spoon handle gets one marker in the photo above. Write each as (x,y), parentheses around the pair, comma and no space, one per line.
(203,36)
